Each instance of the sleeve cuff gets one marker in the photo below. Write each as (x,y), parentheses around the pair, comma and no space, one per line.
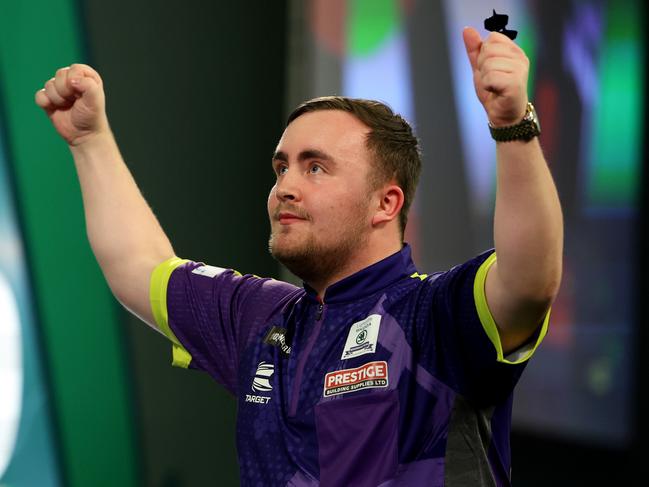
(523,353)
(158,297)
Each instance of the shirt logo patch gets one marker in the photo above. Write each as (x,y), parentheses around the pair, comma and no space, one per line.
(362,337)
(261,383)
(208,270)
(368,376)
(276,337)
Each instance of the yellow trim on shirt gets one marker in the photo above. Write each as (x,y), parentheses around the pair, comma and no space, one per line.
(180,357)
(517,356)
(158,297)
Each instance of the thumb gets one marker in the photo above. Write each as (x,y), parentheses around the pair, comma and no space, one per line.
(472,43)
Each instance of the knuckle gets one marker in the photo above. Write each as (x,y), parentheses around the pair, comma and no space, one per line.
(76,69)
(490,51)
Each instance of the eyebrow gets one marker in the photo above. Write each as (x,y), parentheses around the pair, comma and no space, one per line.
(304,156)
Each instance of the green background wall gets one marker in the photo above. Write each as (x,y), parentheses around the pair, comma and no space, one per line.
(82,336)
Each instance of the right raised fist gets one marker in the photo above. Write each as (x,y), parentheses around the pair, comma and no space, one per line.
(74,102)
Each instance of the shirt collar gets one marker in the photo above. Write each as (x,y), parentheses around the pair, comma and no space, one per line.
(369,280)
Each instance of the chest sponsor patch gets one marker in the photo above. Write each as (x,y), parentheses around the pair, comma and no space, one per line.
(362,337)
(368,376)
(208,270)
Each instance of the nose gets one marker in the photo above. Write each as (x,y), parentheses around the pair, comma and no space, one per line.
(288,188)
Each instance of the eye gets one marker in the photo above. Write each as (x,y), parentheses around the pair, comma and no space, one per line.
(280,169)
(315,166)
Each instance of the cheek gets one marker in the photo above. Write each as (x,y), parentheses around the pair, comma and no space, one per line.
(272,201)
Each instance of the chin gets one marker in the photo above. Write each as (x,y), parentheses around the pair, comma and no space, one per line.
(281,243)
(283,249)
(313,262)
(299,257)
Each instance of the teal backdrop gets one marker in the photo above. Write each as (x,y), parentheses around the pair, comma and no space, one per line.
(78,323)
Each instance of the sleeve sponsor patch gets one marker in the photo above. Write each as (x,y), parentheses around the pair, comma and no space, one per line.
(208,270)
(276,337)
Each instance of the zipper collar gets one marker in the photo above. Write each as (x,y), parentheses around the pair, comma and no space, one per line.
(369,280)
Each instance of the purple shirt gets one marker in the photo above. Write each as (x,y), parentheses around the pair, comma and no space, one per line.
(395,378)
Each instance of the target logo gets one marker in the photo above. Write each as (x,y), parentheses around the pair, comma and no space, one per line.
(261,382)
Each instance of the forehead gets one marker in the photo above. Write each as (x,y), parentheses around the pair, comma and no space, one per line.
(337,133)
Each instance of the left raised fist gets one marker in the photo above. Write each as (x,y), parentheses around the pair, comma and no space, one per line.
(500,70)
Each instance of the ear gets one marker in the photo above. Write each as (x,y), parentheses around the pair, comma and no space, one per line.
(389,205)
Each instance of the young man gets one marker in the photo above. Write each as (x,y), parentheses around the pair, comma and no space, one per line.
(371,373)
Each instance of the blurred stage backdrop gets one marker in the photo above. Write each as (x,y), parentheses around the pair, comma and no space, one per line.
(197,95)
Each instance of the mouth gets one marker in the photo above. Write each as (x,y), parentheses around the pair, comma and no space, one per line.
(289,218)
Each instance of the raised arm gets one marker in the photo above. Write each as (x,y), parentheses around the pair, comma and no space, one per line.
(124,234)
(528,223)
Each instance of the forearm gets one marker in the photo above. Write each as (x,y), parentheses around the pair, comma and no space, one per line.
(120,225)
(528,223)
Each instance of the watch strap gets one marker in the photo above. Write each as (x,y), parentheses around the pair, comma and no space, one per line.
(526,129)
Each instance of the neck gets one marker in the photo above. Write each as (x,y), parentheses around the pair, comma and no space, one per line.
(362,258)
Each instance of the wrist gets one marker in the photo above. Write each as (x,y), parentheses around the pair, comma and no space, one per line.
(526,129)
(92,141)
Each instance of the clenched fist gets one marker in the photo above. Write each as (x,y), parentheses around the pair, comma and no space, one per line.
(74,102)
(500,71)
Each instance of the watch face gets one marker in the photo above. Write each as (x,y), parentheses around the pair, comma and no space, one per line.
(531,119)
(530,113)
(532,116)
(535,119)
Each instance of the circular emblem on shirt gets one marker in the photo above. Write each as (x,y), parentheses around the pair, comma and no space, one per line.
(361,337)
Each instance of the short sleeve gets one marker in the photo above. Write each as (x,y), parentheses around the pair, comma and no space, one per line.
(524,352)
(208,313)
(462,332)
